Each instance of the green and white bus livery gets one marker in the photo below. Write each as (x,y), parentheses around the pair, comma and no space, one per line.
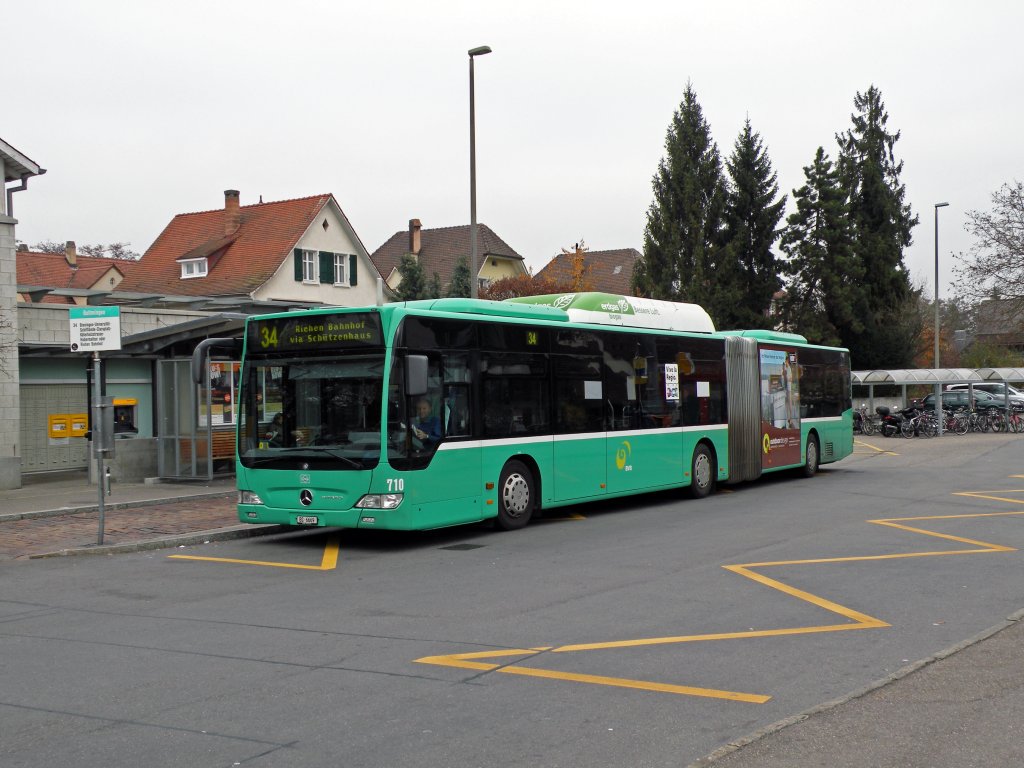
(426,414)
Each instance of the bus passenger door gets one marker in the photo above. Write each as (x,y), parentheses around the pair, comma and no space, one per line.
(580,437)
(644,439)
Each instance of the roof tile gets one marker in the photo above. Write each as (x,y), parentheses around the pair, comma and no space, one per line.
(53,271)
(266,236)
(607,271)
(440,249)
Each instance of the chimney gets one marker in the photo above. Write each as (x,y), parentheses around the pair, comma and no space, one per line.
(232,215)
(414,237)
(71,254)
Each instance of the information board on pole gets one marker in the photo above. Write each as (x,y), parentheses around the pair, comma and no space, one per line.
(95,329)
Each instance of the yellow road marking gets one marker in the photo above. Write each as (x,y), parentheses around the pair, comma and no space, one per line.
(328,563)
(462,661)
(985,495)
(875,448)
(857,620)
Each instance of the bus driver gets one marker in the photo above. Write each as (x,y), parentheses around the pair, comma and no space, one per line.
(426,427)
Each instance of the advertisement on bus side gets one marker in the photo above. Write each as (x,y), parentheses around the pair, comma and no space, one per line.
(780,408)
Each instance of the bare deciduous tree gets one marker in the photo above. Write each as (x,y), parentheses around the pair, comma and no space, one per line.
(994,266)
(113,251)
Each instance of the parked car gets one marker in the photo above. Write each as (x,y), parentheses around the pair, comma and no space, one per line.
(994,388)
(959,398)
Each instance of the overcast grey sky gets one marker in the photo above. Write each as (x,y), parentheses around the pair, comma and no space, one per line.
(140,111)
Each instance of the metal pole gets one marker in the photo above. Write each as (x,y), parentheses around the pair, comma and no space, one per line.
(474,269)
(938,384)
(97,432)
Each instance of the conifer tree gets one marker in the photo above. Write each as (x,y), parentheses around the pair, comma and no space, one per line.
(460,287)
(882,223)
(682,239)
(753,210)
(824,276)
(434,290)
(414,282)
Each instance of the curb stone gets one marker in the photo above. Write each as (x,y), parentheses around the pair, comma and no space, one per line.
(61,511)
(167,542)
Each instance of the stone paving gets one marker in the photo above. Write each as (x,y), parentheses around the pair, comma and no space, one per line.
(23,538)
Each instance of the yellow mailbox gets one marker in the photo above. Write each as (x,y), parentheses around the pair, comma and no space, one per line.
(59,425)
(79,424)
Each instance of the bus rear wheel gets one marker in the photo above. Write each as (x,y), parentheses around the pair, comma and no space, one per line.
(702,472)
(516,496)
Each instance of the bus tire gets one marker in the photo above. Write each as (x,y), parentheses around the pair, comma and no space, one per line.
(516,496)
(702,472)
(810,468)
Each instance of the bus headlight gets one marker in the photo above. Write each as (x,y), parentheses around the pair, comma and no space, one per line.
(248,497)
(379,501)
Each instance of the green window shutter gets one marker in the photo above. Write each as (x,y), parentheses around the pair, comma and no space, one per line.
(326,267)
(298,265)
(352,269)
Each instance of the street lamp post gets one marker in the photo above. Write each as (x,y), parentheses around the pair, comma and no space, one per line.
(937,206)
(938,384)
(474,269)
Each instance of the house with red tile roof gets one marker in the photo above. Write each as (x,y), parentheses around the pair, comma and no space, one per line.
(68,270)
(303,250)
(439,250)
(603,271)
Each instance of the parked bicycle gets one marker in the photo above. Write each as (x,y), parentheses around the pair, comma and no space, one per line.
(911,424)
(864,422)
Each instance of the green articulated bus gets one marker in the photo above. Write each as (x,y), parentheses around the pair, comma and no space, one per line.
(435,413)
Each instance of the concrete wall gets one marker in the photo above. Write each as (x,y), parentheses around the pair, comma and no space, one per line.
(49,323)
(134,460)
(10,402)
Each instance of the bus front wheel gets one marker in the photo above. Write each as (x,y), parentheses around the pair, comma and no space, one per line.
(813,457)
(702,472)
(515,496)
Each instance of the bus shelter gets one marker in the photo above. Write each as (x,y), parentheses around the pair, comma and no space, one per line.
(935,378)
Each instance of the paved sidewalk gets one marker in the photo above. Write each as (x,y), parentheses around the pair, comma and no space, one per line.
(58,514)
(963,708)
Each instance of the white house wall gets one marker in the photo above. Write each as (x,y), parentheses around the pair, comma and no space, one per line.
(337,238)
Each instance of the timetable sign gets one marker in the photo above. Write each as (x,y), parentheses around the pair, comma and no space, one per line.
(95,329)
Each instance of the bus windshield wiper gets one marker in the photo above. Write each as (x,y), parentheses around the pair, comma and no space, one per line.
(317,449)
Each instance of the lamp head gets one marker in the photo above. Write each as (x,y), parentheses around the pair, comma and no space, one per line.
(480,51)
(941,205)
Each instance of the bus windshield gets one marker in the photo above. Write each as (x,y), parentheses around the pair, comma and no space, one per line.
(320,412)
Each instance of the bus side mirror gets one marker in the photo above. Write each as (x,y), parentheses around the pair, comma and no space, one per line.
(416,375)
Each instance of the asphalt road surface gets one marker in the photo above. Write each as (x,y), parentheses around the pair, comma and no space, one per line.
(642,632)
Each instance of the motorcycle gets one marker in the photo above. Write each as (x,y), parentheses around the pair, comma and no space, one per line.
(897,423)
(890,423)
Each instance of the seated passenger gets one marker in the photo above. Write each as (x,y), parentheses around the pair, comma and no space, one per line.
(274,435)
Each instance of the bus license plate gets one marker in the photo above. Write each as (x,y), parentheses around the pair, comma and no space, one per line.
(306,520)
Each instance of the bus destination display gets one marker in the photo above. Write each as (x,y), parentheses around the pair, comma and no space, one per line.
(316,331)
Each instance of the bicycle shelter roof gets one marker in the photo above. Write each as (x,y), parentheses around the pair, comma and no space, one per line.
(937,375)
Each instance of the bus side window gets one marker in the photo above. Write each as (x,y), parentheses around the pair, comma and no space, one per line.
(455,419)
(455,415)
(579,397)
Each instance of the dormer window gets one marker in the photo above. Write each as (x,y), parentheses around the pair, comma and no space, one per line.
(193,268)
